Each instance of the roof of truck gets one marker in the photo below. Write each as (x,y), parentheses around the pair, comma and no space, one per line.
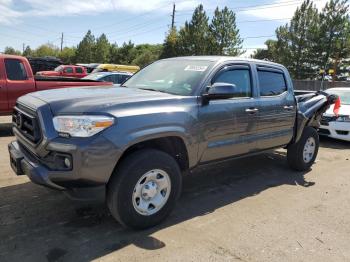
(226,58)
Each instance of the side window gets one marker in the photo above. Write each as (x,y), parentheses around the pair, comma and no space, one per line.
(239,77)
(68,70)
(15,70)
(78,70)
(271,83)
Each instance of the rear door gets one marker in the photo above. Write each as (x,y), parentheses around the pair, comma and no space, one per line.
(79,72)
(228,126)
(68,71)
(18,82)
(277,108)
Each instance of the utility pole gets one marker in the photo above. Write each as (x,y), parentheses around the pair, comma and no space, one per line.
(61,41)
(23,47)
(173,17)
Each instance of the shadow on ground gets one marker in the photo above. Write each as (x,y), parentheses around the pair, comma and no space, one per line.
(39,224)
(328,142)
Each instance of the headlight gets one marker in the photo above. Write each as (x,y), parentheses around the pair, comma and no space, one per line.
(81,126)
(343,119)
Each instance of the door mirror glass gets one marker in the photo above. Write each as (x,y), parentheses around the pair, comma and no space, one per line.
(221,90)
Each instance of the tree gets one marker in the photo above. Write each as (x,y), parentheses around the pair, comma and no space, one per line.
(224,34)
(193,37)
(102,50)
(11,51)
(27,51)
(86,48)
(46,50)
(334,33)
(266,54)
(68,55)
(170,44)
(295,41)
(146,54)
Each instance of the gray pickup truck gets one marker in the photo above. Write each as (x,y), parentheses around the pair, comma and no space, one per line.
(134,142)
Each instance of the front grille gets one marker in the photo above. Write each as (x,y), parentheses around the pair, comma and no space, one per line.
(326,119)
(342,132)
(26,122)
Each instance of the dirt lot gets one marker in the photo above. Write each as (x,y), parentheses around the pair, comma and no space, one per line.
(254,209)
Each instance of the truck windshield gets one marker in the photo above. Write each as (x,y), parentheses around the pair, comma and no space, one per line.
(179,77)
(343,94)
(59,69)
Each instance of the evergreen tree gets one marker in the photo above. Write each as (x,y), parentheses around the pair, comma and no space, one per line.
(334,33)
(266,54)
(170,44)
(193,37)
(102,50)
(11,51)
(86,48)
(224,34)
(27,51)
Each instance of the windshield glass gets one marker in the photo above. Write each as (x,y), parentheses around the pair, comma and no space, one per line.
(94,76)
(179,77)
(343,94)
(59,69)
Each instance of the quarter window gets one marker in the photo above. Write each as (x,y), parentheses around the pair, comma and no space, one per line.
(78,70)
(271,83)
(68,70)
(238,77)
(15,70)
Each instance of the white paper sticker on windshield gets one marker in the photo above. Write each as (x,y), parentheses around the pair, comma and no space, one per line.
(196,68)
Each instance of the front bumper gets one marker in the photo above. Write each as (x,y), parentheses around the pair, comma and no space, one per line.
(93,162)
(337,130)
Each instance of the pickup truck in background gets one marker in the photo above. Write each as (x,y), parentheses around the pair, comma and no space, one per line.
(65,71)
(133,142)
(16,79)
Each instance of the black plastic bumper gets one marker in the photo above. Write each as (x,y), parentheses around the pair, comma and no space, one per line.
(25,165)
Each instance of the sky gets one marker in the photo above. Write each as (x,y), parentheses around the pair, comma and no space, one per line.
(35,22)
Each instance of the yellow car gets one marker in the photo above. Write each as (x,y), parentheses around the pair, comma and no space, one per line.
(113,67)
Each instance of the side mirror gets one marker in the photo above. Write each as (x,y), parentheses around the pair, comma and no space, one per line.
(220,91)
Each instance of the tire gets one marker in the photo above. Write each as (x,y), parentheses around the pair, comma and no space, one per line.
(295,153)
(129,183)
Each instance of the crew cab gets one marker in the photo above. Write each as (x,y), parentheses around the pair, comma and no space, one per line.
(134,142)
(16,79)
(66,71)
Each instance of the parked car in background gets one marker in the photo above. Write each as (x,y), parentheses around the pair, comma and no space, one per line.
(89,67)
(65,71)
(337,126)
(112,67)
(115,77)
(17,79)
(45,63)
(132,143)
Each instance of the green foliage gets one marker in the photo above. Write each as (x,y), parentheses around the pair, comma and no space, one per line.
(86,48)
(11,51)
(101,50)
(27,51)
(224,34)
(312,40)
(68,55)
(198,37)
(46,50)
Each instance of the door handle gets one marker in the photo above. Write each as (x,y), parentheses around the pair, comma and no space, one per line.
(252,110)
(288,107)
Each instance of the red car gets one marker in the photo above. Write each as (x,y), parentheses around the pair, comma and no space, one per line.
(16,79)
(66,71)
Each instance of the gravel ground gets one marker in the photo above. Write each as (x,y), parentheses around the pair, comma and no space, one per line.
(252,209)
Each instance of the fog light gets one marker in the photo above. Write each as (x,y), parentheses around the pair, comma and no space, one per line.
(67,162)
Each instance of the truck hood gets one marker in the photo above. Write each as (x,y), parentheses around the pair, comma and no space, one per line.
(100,99)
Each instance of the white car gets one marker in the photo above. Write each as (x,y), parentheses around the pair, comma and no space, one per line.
(337,127)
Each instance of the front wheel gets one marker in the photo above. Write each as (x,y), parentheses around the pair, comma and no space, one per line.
(302,154)
(144,189)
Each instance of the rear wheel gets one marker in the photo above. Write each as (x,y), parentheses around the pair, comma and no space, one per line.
(302,154)
(144,189)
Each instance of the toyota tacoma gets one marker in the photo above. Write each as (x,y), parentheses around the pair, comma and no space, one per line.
(134,142)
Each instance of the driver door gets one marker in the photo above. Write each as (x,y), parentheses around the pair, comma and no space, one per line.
(229,125)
